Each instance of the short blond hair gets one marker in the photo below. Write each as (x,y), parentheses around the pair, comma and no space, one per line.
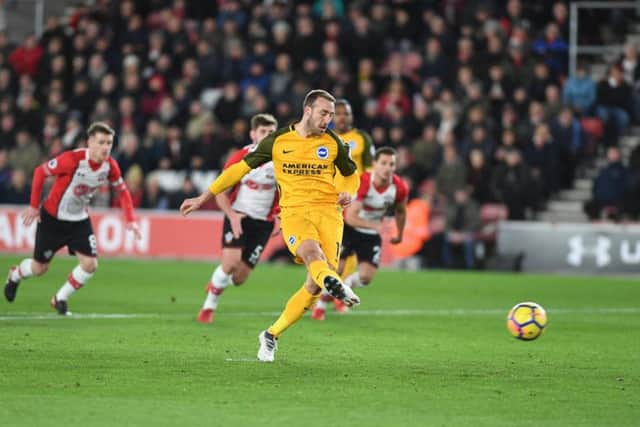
(311,97)
(100,127)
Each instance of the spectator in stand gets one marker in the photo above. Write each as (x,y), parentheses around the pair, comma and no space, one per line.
(427,154)
(630,63)
(131,154)
(5,168)
(541,157)
(614,104)
(479,177)
(463,221)
(18,190)
(27,154)
(26,57)
(579,91)
(511,185)
(609,189)
(452,174)
(570,140)
(153,196)
(553,49)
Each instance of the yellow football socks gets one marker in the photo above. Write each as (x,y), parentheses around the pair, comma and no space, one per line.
(350,266)
(293,311)
(319,270)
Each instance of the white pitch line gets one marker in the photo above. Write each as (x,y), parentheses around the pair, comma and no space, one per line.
(356,312)
(241,359)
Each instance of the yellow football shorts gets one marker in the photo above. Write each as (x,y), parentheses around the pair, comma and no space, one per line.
(323,225)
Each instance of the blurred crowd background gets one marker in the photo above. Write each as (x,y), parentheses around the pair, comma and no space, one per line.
(475,96)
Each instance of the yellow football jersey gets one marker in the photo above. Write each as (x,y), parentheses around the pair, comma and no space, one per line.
(304,167)
(361,148)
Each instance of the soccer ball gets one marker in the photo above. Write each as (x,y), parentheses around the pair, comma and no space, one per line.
(526,321)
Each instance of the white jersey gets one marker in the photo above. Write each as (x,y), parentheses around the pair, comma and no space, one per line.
(376,201)
(256,194)
(77,180)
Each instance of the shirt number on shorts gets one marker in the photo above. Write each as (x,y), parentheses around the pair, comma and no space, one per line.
(93,244)
(376,254)
(255,255)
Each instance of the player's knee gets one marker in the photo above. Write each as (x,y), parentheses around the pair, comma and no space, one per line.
(365,279)
(239,277)
(89,265)
(39,268)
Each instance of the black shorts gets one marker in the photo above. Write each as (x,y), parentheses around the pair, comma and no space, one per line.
(254,237)
(53,233)
(367,247)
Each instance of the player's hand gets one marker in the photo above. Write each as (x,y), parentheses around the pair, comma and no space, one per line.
(29,215)
(190,205)
(236,224)
(396,240)
(133,226)
(344,199)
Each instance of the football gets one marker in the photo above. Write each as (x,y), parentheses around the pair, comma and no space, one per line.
(526,321)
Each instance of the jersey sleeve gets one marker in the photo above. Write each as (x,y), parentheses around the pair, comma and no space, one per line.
(115,175)
(64,164)
(367,153)
(365,182)
(342,161)
(402,193)
(263,152)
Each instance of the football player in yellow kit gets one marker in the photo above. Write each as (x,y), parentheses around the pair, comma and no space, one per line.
(306,157)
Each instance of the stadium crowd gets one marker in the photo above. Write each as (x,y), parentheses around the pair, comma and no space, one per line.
(474,95)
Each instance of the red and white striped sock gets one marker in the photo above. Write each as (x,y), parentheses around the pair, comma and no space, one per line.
(23,271)
(77,279)
(219,281)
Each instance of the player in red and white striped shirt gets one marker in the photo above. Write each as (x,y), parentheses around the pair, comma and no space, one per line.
(63,219)
(380,190)
(249,209)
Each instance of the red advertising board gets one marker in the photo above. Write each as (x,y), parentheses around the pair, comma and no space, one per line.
(164,235)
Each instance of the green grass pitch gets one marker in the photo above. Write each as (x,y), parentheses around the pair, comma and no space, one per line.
(423,349)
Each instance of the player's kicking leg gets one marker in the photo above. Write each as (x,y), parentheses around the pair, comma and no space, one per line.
(28,267)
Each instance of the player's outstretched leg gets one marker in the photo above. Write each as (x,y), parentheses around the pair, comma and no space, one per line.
(76,280)
(16,274)
(219,281)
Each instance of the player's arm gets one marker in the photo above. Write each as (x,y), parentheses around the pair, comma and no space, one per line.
(60,165)
(402,195)
(367,153)
(226,179)
(122,192)
(353,219)
(347,180)
(401,220)
(224,202)
(231,176)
